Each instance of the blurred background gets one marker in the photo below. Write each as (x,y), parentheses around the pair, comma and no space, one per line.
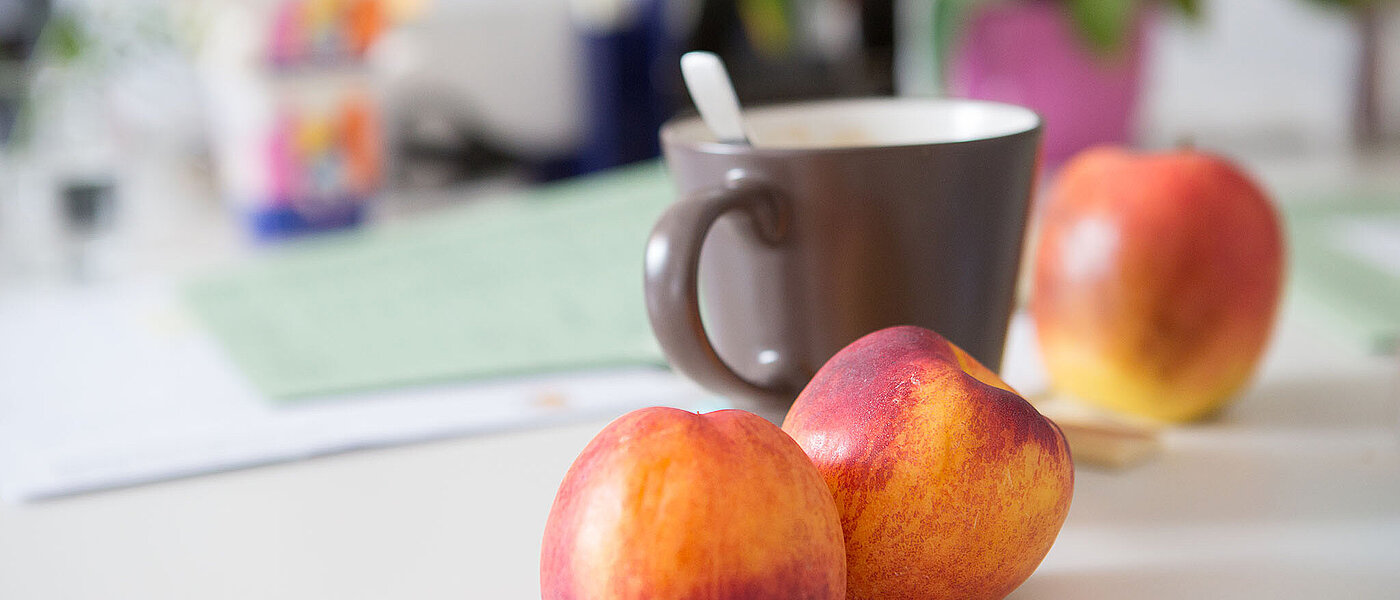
(350,142)
(239,232)
(158,134)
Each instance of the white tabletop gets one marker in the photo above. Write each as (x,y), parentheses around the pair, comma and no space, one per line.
(1293,493)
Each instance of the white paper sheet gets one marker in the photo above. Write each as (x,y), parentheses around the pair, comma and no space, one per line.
(1375,241)
(108,387)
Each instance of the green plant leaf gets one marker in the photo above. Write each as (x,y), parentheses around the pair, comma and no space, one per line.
(63,38)
(767,24)
(1190,8)
(949,17)
(1104,24)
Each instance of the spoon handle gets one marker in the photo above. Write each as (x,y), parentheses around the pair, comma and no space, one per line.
(714,96)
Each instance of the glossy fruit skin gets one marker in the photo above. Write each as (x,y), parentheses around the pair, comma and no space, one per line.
(665,503)
(1156,282)
(949,484)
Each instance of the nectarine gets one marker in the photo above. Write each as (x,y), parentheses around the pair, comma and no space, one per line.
(1156,281)
(949,484)
(669,504)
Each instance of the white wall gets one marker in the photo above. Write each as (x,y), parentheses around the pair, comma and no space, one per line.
(1258,74)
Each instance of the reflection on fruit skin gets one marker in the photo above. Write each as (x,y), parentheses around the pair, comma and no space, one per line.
(1156,282)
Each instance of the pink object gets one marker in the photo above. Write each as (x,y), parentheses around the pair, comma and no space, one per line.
(282,165)
(286,35)
(1029,53)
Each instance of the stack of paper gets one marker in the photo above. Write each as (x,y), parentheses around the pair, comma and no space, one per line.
(1346,266)
(545,281)
(395,335)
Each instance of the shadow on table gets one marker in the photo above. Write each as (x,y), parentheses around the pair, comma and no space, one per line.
(1213,579)
(1315,450)
(1323,405)
(1187,487)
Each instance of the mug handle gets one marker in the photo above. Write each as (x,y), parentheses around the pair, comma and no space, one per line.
(673,263)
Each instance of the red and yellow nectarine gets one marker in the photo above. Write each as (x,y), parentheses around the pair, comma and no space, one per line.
(1156,281)
(949,484)
(665,503)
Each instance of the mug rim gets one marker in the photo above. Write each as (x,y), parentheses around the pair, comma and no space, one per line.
(671,130)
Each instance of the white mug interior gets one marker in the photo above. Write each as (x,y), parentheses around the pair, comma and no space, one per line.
(871,122)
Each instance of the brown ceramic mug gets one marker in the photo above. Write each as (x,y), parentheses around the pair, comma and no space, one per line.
(844,217)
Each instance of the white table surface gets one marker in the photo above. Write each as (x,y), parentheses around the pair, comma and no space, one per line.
(1292,493)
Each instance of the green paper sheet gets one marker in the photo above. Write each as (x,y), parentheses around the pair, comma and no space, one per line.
(546,280)
(1345,270)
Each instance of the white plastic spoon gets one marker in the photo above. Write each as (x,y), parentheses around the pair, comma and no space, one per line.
(714,96)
